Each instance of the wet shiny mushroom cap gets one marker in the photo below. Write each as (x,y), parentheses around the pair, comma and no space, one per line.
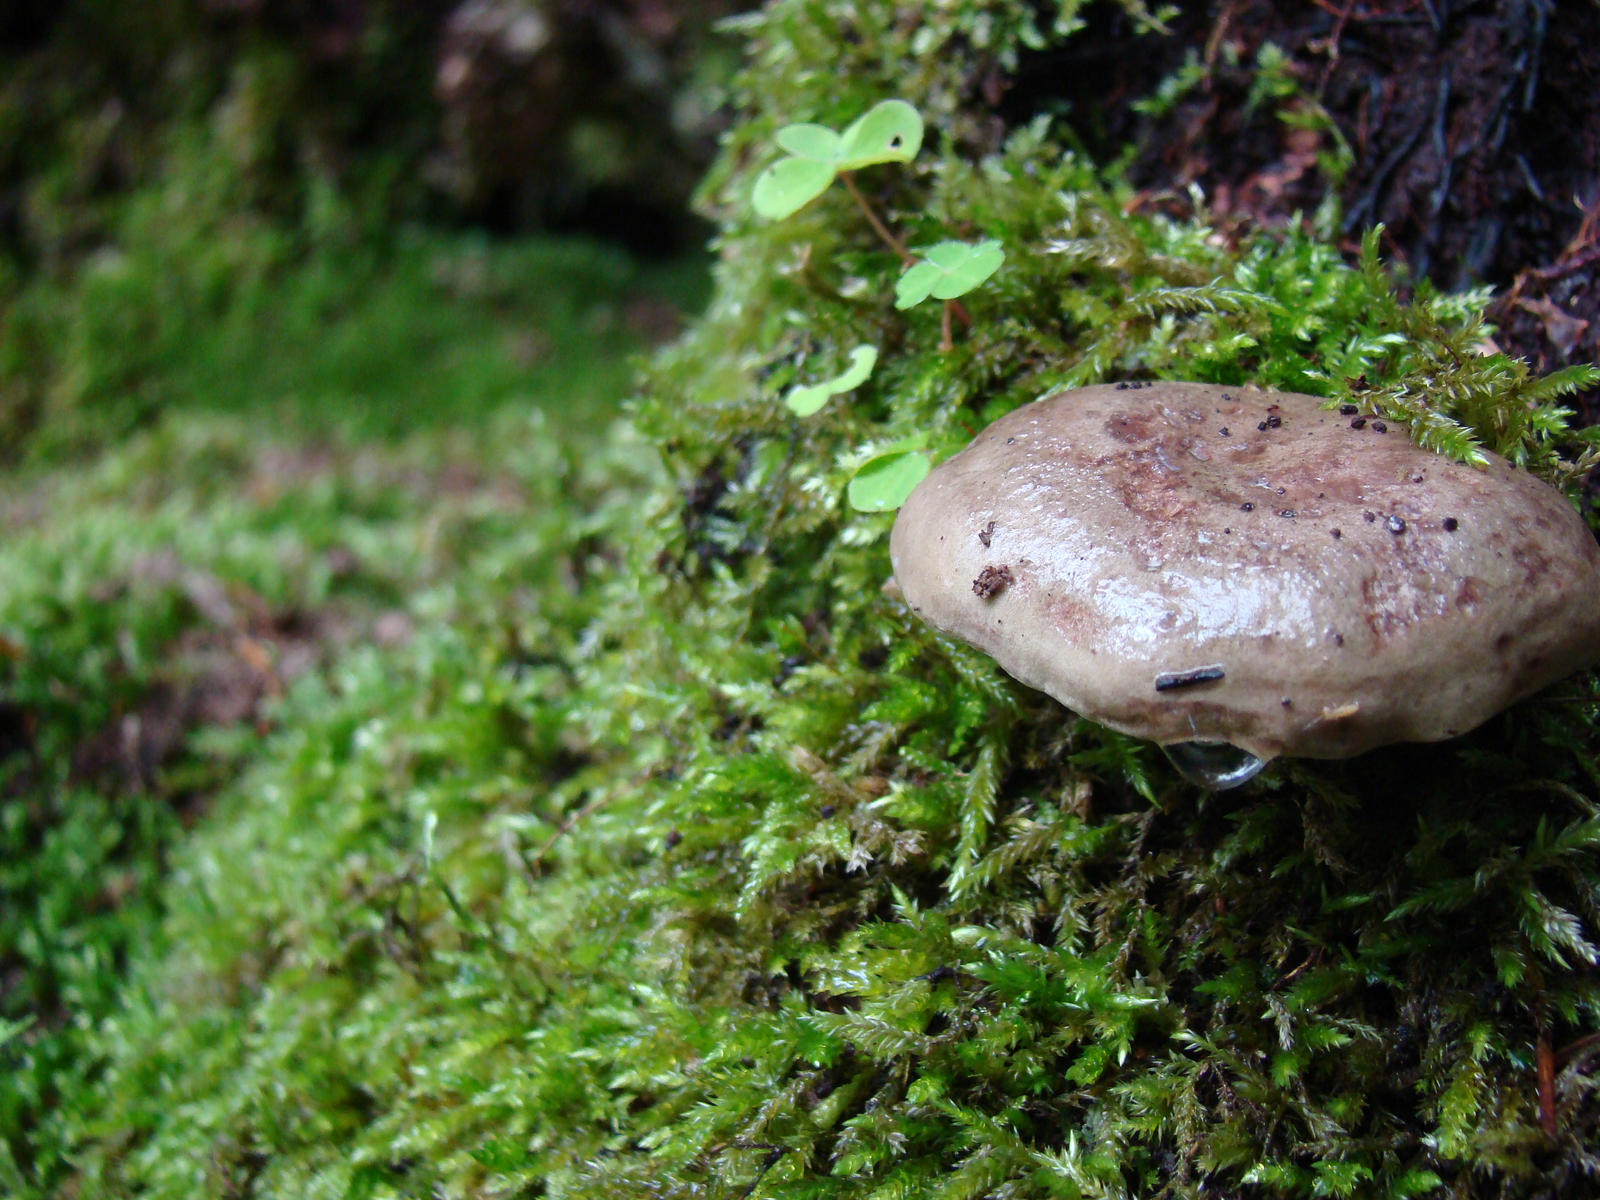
(1191,563)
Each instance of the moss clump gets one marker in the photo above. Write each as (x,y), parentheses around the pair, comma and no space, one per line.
(692,865)
(160,606)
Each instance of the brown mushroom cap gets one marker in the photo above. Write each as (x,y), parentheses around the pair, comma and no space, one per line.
(1186,562)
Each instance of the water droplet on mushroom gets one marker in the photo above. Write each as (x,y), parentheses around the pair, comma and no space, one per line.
(1214,765)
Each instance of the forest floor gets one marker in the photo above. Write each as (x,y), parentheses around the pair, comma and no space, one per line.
(326,458)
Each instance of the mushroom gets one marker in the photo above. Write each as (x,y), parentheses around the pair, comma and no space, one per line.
(1213,567)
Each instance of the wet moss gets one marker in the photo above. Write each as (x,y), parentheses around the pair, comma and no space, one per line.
(818,902)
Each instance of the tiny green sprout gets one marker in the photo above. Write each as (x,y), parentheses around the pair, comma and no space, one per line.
(805,399)
(10,1029)
(948,270)
(890,131)
(884,481)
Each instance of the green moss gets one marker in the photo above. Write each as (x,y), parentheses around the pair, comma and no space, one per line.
(194,312)
(302,492)
(676,859)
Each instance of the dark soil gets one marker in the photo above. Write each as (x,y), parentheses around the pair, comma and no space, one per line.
(218,679)
(1475,129)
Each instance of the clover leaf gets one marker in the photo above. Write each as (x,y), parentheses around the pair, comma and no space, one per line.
(788,185)
(948,270)
(884,481)
(815,142)
(887,132)
(805,399)
(890,131)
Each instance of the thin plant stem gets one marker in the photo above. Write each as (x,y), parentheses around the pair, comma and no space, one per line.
(899,247)
(947,342)
(1545,1081)
(574,819)
(878,227)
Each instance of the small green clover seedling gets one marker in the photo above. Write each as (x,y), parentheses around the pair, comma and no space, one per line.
(805,399)
(813,157)
(945,271)
(887,132)
(948,270)
(885,480)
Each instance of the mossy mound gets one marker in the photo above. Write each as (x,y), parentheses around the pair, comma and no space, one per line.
(302,492)
(676,859)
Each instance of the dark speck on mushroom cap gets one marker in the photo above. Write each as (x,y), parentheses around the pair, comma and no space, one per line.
(1142,543)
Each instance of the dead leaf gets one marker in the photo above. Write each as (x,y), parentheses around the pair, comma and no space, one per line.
(1561,328)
